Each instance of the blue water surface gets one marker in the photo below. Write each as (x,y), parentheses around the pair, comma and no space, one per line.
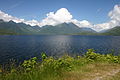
(25,47)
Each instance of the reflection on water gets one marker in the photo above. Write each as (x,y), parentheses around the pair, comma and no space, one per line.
(23,47)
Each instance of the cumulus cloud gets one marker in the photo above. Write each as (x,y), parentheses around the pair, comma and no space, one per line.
(115,13)
(61,16)
(64,16)
(32,22)
(83,23)
(7,17)
(114,20)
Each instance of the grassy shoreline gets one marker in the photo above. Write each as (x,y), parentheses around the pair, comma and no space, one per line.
(91,66)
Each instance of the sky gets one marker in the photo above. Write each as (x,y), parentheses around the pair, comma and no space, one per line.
(96,14)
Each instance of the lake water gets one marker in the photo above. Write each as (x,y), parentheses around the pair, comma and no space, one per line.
(24,47)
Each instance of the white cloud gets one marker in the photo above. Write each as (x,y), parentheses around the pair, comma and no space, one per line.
(32,22)
(83,23)
(7,17)
(115,13)
(63,15)
(114,20)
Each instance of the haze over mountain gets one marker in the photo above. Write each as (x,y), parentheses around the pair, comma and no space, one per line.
(62,15)
(64,28)
(22,29)
(17,28)
(12,28)
(114,31)
(59,17)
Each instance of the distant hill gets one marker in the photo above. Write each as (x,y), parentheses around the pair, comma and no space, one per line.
(114,31)
(12,28)
(64,28)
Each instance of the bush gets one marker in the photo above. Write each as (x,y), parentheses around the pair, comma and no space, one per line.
(51,67)
(29,64)
(111,58)
(44,56)
(64,63)
(90,54)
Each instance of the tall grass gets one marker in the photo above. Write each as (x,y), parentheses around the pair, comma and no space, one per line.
(55,69)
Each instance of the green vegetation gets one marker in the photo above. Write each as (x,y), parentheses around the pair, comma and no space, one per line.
(114,31)
(12,28)
(89,66)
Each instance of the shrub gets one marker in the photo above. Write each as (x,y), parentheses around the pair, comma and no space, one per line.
(29,64)
(64,63)
(91,55)
(51,68)
(44,56)
(111,58)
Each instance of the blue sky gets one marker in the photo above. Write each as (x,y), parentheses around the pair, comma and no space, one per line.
(95,14)
(95,11)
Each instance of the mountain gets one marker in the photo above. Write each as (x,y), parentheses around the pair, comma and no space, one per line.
(17,28)
(114,31)
(64,28)
(12,28)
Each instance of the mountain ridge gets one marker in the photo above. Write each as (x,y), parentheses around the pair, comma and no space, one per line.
(12,28)
(21,28)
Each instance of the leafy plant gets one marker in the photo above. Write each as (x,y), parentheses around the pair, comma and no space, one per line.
(91,55)
(51,68)
(29,64)
(65,63)
(111,58)
(44,56)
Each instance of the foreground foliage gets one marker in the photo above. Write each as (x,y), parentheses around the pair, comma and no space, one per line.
(55,68)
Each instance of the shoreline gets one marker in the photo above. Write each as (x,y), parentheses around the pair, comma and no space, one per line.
(89,66)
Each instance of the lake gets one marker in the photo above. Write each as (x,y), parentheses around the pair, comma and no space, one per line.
(24,47)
